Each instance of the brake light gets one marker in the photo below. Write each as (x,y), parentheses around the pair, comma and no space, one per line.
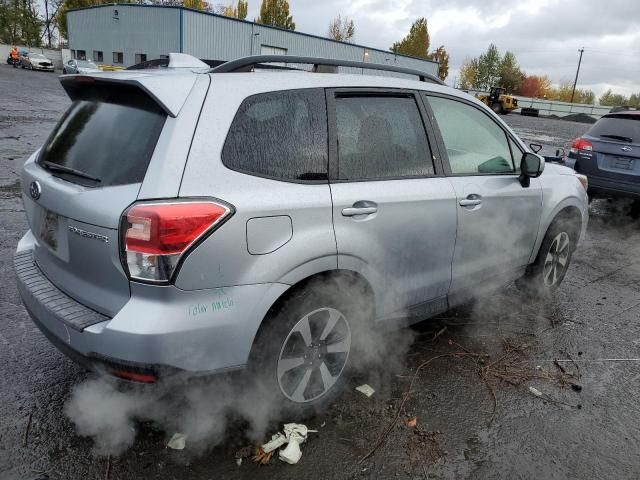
(157,235)
(135,376)
(581,144)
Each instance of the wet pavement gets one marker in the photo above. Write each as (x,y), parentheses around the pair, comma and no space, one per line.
(465,378)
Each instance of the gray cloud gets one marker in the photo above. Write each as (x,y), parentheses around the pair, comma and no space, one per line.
(544,34)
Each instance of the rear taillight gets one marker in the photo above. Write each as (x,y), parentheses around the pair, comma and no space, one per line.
(155,236)
(581,144)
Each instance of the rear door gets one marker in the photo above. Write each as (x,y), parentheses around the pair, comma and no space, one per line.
(498,218)
(393,210)
(89,170)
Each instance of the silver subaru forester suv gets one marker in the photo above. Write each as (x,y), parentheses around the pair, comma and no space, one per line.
(189,221)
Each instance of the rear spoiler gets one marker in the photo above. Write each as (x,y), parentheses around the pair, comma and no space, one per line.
(170,92)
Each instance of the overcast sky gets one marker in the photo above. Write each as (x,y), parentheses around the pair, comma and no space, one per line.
(544,34)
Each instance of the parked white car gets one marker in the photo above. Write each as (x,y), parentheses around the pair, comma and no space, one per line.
(36,61)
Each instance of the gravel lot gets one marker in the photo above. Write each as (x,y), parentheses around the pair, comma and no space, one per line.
(476,417)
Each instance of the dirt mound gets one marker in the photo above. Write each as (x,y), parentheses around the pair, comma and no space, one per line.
(579,117)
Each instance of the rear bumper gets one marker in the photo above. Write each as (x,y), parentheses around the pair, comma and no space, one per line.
(163,330)
(604,186)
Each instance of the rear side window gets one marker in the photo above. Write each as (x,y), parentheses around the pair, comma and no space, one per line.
(381,137)
(111,141)
(625,128)
(281,135)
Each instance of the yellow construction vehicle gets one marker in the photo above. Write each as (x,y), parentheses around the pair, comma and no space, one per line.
(498,100)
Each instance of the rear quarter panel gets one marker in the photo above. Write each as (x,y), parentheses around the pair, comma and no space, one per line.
(225,258)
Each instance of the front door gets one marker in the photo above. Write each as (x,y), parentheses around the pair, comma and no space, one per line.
(498,218)
(394,212)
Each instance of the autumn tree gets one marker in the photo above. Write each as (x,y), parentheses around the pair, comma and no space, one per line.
(194,4)
(535,86)
(634,100)
(341,29)
(468,73)
(239,11)
(441,56)
(416,43)
(489,64)
(276,13)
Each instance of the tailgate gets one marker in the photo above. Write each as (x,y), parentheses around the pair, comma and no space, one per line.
(76,188)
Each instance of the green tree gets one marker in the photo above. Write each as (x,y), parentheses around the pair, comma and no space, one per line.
(441,56)
(341,29)
(489,64)
(416,43)
(634,100)
(611,99)
(239,11)
(19,23)
(276,13)
(510,74)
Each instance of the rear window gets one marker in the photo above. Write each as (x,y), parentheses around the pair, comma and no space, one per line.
(280,135)
(622,127)
(104,138)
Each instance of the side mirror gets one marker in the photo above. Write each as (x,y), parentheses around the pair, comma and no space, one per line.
(531,166)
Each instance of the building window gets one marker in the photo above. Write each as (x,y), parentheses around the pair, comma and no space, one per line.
(81,55)
(118,57)
(73,54)
(97,56)
(141,57)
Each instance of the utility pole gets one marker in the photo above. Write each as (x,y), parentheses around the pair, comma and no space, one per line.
(581,50)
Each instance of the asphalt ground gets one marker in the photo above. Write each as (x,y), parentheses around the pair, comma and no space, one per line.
(465,376)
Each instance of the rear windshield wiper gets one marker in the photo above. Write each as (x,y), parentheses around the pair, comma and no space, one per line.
(72,171)
(617,137)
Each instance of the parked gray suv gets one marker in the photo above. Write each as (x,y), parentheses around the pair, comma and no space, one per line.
(186,221)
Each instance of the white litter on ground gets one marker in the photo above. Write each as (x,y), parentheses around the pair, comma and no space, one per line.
(295,434)
(535,391)
(178,441)
(366,390)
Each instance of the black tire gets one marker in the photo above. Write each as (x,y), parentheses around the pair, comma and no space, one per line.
(545,275)
(496,107)
(280,341)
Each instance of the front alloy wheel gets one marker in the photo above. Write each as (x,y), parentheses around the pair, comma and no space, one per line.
(313,355)
(556,260)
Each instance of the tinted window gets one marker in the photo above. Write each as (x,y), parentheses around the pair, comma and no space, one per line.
(110,141)
(280,135)
(625,128)
(381,137)
(474,142)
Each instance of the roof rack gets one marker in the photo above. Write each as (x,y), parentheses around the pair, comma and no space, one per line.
(246,64)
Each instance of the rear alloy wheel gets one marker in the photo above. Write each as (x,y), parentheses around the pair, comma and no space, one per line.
(313,355)
(305,347)
(547,272)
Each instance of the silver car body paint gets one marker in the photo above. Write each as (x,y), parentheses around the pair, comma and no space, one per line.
(207,319)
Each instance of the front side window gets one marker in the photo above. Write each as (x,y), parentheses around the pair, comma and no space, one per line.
(380,137)
(282,135)
(475,143)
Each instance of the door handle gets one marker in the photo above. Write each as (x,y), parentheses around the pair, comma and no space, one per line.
(471,200)
(353,211)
